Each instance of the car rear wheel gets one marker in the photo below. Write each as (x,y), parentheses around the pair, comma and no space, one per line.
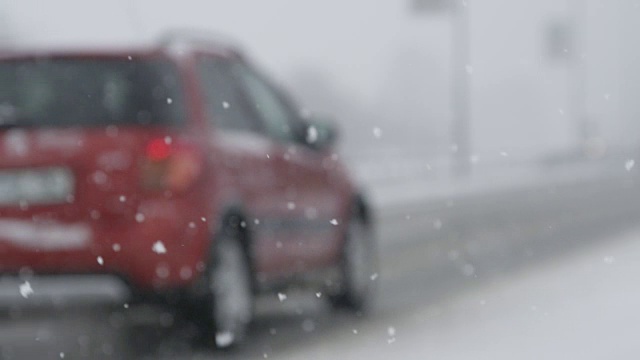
(358,268)
(226,309)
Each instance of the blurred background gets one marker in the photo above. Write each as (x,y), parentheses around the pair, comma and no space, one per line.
(543,77)
(491,136)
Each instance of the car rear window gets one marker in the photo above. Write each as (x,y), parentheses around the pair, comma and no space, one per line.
(69,92)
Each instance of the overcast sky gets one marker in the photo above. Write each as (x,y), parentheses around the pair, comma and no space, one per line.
(351,38)
(519,97)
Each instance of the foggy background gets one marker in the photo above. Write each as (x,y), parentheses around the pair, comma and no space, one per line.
(386,66)
(532,255)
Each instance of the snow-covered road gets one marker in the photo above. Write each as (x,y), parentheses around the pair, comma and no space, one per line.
(546,273)
(583,306)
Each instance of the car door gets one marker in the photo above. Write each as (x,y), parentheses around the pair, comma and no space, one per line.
(310,206)
(247,171)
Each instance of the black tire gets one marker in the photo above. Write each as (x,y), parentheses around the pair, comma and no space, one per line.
(224,309)
(358,269)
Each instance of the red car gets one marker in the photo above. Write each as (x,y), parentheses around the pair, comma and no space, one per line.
(181,169)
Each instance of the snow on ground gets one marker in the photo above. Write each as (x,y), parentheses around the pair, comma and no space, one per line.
(584,306)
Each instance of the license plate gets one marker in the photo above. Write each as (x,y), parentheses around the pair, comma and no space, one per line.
(35,186)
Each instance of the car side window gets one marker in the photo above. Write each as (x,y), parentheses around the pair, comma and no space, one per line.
(226,103)
(266,102)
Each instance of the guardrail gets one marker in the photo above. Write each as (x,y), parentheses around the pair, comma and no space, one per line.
(393,185)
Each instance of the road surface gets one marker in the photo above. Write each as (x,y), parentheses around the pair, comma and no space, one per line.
(543,273)
(582,306)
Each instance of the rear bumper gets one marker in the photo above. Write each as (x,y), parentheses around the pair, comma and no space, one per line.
(163,251)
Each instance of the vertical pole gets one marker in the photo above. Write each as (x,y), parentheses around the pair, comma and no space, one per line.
(578,73)
(460,127)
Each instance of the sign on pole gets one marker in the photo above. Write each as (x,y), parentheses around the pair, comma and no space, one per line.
(559,40)
(431,6)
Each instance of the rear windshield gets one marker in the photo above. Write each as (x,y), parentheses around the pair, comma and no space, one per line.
(89,92)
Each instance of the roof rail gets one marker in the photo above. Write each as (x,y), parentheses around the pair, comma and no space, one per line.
(198,38)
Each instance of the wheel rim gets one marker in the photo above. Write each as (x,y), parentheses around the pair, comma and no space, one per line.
(231,289)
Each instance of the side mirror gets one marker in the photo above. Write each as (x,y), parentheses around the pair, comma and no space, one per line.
(319,134)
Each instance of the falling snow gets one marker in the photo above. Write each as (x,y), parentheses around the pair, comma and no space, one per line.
(629,164)
(26,290)
(312,135)
(224,339)
(391,331)
(159,248)
(468,270)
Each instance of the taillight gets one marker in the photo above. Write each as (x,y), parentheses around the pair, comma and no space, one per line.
(170,166)
(158,149)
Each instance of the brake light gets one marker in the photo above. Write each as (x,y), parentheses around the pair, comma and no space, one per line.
(158,150)
(170,166)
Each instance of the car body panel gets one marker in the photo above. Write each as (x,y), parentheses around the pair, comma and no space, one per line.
(295,199)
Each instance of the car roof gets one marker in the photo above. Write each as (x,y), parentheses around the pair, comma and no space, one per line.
(176,43)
